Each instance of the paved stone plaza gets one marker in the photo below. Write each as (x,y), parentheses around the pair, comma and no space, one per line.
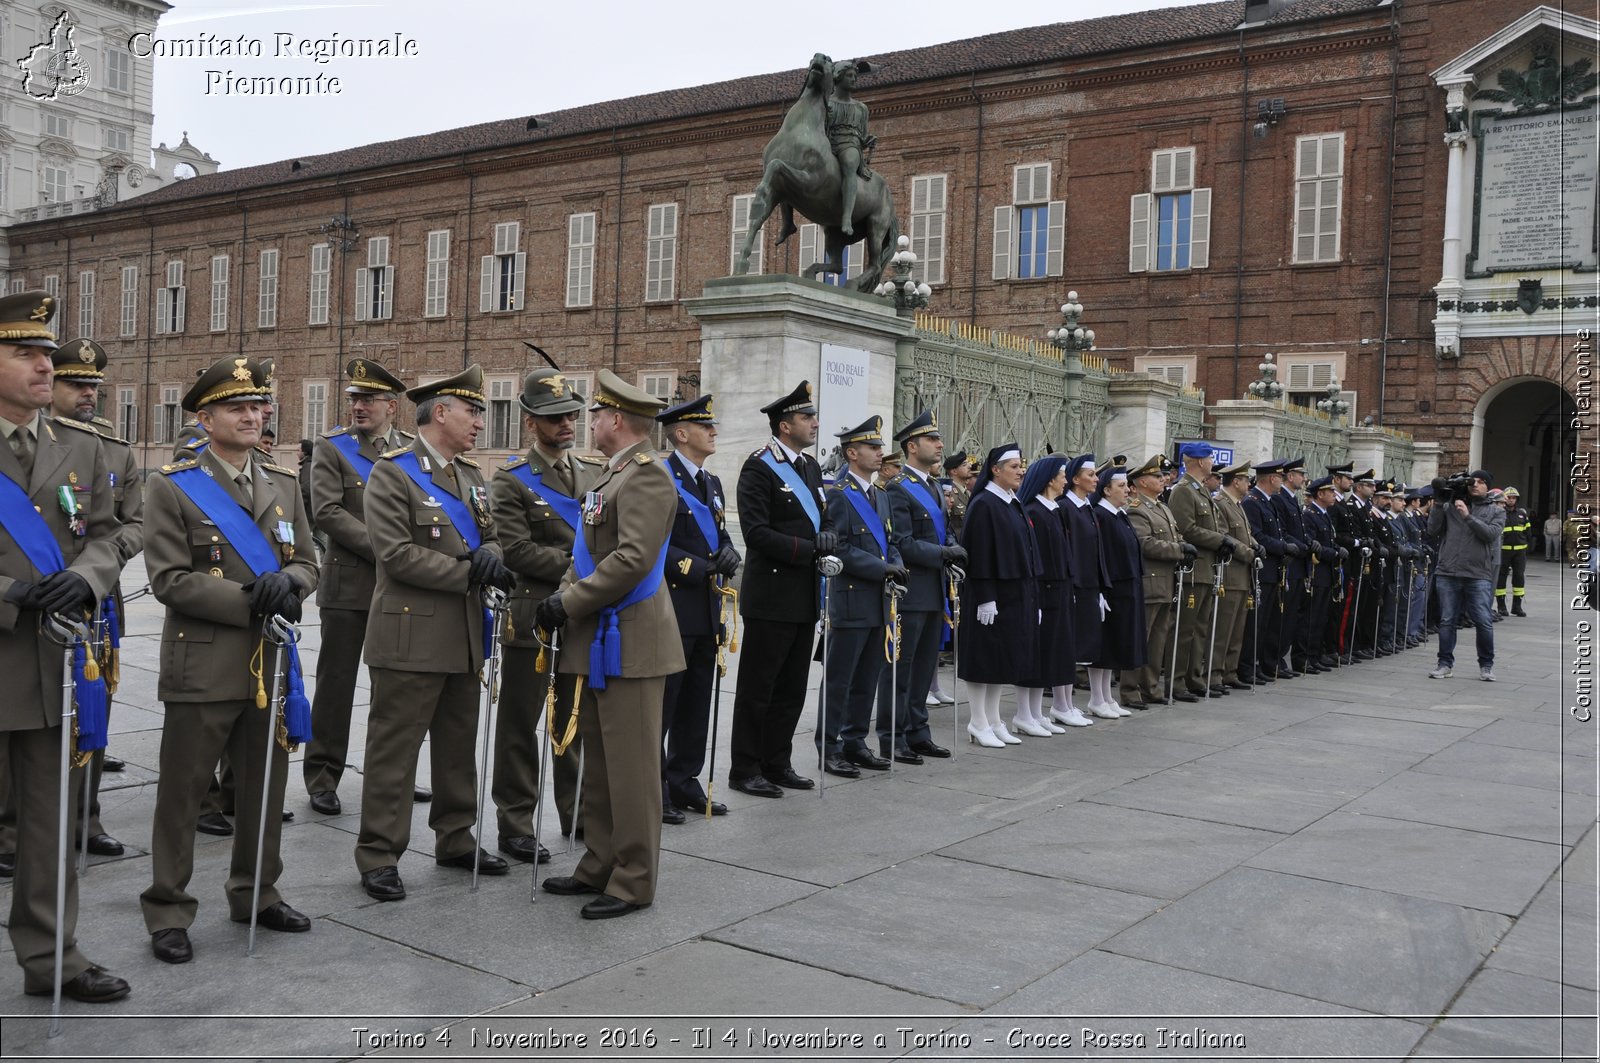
(1366,864)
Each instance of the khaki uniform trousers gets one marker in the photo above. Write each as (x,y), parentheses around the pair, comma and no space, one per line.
(344,631)
(621,727)
(1194,637)
(406,707)
(517,747)
(1231,616)
(1158,650)
(33,761)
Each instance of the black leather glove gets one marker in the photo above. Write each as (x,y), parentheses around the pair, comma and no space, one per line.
(550,613)
(1316,547)
(65,591)
(23,595)
(489,571)
(827,543)
(953,555)
(1189,552)
(290,610)
(1224,552)
(898,573)
(1344,554)
(1295,550)
(271,592)
(726,561)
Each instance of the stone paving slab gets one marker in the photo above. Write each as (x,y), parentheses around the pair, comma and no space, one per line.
(1400,736)
(1496,1016)
(1333,766)
(1476,805)
(1290,934)
(1554,939)
(944,928)
(1223,796)
(1518,767)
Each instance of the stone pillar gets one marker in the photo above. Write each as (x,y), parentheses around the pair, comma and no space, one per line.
(1249,425)
(761,335)
(1447,293)
(1366,448)
(1425,464)
(1138,422)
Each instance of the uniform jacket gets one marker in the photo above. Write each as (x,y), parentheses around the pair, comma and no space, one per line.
(66,455)
(209,636)
(127,492)
(638,505)
(1236,577)
(1266,527)
(1319,528)
(339,513)
(425,616)
(1119,545)
(1159,541)
(918,541)
(960,499)
(855,596)
(1199,522)
(1518,526)
(780,570)
(695,599)
(1088,560)
(1291,517)
(535,541)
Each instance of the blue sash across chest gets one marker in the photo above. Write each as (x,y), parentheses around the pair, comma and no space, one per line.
(704,519)
(869,516)
(460,517)
(930,505)
(568,509)
(605,652)
(350,447)
(795,482)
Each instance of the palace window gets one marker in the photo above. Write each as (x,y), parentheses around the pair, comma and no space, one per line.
(1318,195)
(375,283)
(580,261)
(1170,226)
(437,288)
(503,272)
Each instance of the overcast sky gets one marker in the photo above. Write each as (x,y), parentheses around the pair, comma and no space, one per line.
(478,60)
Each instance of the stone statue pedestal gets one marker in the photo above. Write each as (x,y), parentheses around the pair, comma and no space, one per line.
(1138,424)
(761,335)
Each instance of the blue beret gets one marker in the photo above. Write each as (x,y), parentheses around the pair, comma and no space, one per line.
(1200,449)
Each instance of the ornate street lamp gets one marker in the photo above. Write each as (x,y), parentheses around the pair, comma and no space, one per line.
(1267,388)
(1071,336)
(1333,405)
(899,284)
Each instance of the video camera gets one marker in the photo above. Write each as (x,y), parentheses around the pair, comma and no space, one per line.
(1457,488)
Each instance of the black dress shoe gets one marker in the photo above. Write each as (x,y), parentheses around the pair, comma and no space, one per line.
(1131,702)
(1220,691)
(288,817)
(94,985)
(1327,660)
(326,802)
(170,946)
(214,823)
(606,906)
(841,767)
(488,863)
(756,786)
(673,816)
(790,781)
(110,763)
(384,884)
(567,885)
(280,916)
(1237,684)
(907,756)
(929,749)
(421,794)
(866,758)
(697,805)
(8,864)
(1184,695)
(1363,655)
(524,848)
(104,845)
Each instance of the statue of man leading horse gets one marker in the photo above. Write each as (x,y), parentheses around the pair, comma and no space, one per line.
(817,164)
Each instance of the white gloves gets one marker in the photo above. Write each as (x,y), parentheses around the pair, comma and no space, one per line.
(987,612)
(1105,607)
(829,565)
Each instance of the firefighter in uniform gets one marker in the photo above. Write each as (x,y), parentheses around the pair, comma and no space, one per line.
(1513,555)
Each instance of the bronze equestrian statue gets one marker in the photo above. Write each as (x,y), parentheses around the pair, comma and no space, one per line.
(824,136)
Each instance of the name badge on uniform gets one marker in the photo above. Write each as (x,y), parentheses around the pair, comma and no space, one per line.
(594,508)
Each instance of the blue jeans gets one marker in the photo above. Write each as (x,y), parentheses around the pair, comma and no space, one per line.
(1456,592)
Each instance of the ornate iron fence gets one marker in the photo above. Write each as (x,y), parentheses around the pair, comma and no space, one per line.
(1301,432)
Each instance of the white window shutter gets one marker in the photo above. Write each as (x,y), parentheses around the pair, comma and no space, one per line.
(808,245)
(1299,376)
(1305,221)
(163,309)
(1022,184)
(386,293)
(1307,166)
(1161,172)
(1328,220)
(1005,236)
(1332,154)
(518,277)
(1183,168)
(1139,208)
(486,279)
(363,293)
(1058,238)
(1200,229)
(181,294)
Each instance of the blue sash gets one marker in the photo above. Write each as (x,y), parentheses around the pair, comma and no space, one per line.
(605,652)
(704,519)
(935,512)
(568,509)
(350,447)
(863,508)
(796,483)
(460,517)
(239,528)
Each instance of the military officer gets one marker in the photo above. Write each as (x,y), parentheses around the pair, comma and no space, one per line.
(858,607)
(1374,534)
(341,465)
(701,563)
(918,519)
(51,561)
(1234,604)
(228,546)
(962,469)
(786,534)
(1260,661)
(621,642)
(1201,525)
(535,499)
(1164,552)
(1327,560)
(1297,567)
(434,544)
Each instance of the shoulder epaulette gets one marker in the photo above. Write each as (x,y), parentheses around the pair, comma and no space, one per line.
(336,432)
(586,459)
(515,463)
(405,435)
(1134,503)
(270,467)
(396,452)
(644,459)
(179,466)
(463,459)
(79,425)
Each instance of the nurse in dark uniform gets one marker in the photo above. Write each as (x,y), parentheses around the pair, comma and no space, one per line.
(1122,636)
(1088,575)
(1055,664)
(1000,599)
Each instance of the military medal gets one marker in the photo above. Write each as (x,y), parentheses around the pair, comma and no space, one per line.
(68,498)
(216,554)
(594,508)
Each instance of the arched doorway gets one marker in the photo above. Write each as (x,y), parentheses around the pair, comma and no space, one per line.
(1521,434)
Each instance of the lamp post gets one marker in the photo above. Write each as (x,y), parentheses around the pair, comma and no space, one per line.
(1072,337)
(1268,388)
(1332,404)
(898,283)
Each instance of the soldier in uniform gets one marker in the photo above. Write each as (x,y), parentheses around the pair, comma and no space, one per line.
(434,543)
(42,457)
(786,533)
(1297,567)
(1164,551)
(228,546)
(535,500)
(1374,533)
(858,608)
(962,469)
(918,522)
(1236,600)
(1201,525)
(1327,559)
(342,463)
(701,563)
(621,642)
(1262,624)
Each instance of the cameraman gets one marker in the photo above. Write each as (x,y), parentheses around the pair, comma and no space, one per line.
(1468,533)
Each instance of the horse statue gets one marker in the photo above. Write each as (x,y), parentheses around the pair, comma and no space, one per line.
(802,173)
